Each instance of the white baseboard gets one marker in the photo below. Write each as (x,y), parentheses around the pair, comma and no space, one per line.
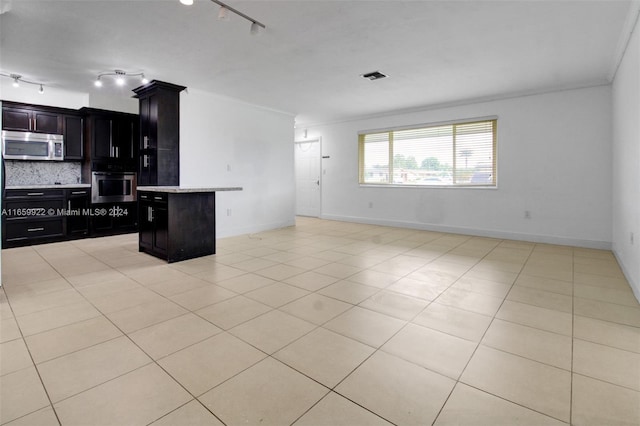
(491,233)
(635,286)
(254,228)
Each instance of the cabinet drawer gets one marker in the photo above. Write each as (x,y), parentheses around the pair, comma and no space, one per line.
(22,229)
(34,193)
(156,197)
(32,207)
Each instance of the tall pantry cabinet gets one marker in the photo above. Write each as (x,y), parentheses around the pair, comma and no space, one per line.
(159,158)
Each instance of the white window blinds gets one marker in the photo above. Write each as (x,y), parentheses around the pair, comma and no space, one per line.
(460,154)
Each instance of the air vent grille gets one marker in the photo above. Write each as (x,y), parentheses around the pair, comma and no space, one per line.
(375,75)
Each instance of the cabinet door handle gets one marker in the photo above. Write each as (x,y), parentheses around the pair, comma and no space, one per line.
(34,229)
(145,161)
(157,198)
(78,192)
(34,194)
(145,142)
(69,205)
(150,214)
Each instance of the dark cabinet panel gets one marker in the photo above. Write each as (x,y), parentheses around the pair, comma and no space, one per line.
(46,122)
(114,218)
(16,119)
(78,212)
(177,226)
(32,217)
(31,118)
(112,141)
(73,132)
(101,138)
(159,162)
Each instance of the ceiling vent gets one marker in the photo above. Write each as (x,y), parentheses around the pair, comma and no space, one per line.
(375,75)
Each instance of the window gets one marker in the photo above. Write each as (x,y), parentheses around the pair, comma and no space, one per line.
(458,154)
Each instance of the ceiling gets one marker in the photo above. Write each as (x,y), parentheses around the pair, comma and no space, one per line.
(310,59)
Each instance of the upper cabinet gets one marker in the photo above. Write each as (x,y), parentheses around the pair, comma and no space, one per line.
(30,118)
(73,133)
(111,140)
(159,157)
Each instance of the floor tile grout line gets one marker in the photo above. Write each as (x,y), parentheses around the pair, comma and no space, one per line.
(573,334)
(458,380)
(35,366)
(427,305)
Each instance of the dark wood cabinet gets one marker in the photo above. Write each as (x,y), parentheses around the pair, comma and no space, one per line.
(153,223)
(73,133)
(111,140)
(159,150)
(78,212)
(176,226)
(32,216)
(36,216)
(114,218)
(31,118)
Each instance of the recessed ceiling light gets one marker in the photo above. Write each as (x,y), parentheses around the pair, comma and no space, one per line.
(375,75)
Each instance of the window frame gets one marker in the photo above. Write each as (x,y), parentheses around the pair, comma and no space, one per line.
(391,130)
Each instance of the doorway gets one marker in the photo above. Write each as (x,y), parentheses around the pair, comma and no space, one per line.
(307,169)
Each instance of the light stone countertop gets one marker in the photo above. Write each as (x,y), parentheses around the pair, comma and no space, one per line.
(186,189)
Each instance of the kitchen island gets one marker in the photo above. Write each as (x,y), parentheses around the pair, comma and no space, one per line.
(177,223)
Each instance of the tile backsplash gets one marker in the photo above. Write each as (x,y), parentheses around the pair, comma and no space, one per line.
(42,172)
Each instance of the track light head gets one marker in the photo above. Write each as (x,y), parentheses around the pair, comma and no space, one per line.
(186,2)
(255,29)
(223,14)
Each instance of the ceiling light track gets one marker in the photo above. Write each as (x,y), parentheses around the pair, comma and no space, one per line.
(120,77)
(223,14)
(17,79)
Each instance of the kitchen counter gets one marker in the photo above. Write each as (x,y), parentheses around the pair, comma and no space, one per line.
(51,186)
(185,190)
(177,223)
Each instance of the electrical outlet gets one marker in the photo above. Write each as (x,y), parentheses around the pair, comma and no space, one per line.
(228,212)
(228,167)
(631,238)
(370,204)
(527,214)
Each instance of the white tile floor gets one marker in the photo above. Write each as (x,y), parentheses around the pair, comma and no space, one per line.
(325,323)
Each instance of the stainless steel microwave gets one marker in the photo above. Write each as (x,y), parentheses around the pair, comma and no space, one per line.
(32,146)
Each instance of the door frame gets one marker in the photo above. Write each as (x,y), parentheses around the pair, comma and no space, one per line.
(319,141)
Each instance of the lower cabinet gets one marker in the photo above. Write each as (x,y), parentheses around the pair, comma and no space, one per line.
(176,226)
(78,204)
(36,216)
(114,218)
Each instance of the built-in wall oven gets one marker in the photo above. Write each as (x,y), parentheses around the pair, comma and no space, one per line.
(113,187)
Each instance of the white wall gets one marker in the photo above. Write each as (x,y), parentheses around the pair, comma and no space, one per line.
(224,142)
(105,98)
(28,93)
(123,102)
(554,159)
(626,162)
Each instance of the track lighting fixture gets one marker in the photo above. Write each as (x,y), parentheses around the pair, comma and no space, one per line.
(120,77)
(223,15)
(17,79)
